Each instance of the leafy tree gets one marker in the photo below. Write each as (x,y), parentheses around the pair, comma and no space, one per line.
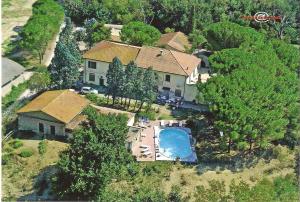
(230,35)
(40,81)
(41,27)
(197,39)
(114,77)
(96,155)
(95,32)
(80,10)
(138,33)
(252,97)
(287,53)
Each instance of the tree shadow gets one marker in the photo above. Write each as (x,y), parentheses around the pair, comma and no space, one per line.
(42,186)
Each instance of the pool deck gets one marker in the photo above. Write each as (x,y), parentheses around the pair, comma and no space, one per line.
(147,140)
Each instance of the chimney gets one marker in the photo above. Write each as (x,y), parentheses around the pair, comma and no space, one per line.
(161,52)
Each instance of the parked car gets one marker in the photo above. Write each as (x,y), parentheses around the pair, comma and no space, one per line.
(87,89)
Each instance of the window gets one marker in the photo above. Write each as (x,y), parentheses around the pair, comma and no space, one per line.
(177,92)
(166,89)
(52,130)
(92,65)
(168,78)
(101,81)
(91,77)
(41,128)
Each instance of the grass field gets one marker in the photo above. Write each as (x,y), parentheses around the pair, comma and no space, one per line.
(19,174)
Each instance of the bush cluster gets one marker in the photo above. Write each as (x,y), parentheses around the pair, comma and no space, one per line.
(42,147)
(26,153)
(16,144)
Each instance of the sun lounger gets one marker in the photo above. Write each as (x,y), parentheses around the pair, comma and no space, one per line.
(145,150)
(170,123)
(147,153)
(162,123)
(144,146)
(180,123)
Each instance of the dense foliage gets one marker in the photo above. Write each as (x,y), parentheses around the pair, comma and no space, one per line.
(47,16)
(139,33)
(190,15)
(94,32)
(97,154)
(230,35)
(281,189)
(254,94)
(131,83)
(64,67)
(40,81)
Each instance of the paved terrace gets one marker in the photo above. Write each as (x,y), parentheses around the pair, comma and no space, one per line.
(147,140)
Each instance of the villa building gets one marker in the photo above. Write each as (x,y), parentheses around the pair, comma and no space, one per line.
(178,72)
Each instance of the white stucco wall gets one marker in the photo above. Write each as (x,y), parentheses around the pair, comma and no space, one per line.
(101,70)
(179,82)
(29,122)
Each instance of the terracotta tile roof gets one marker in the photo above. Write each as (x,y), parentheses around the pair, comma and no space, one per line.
(176,40)
(168,61)
(105,51)
(63,105)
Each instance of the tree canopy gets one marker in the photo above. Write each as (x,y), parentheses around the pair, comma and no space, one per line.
(41,27)
(253,96)
(139,33)
(96,155)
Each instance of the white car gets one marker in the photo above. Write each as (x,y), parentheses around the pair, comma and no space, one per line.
(87,90)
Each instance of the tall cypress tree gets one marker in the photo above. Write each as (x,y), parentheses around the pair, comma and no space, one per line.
(64,67)
(149,87)
(114,79)
(130,76)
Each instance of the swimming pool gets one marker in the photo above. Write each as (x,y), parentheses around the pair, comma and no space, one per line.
(175,142)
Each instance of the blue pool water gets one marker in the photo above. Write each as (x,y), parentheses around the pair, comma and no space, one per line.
(174,142)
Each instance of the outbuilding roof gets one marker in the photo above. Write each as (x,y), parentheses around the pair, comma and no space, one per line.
(63,105)
(175,40)
(10,70)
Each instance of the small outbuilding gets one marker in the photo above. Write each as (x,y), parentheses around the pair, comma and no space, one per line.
(54,113)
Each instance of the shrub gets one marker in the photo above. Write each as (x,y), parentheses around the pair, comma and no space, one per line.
(6,158)
(26,153)
(16,144)
(242,146)
(150,115)
(42,147)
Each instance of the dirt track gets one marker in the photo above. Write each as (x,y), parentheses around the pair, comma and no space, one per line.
(14,13)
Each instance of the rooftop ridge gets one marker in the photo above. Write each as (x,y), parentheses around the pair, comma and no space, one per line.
(62,92)
(178,62)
